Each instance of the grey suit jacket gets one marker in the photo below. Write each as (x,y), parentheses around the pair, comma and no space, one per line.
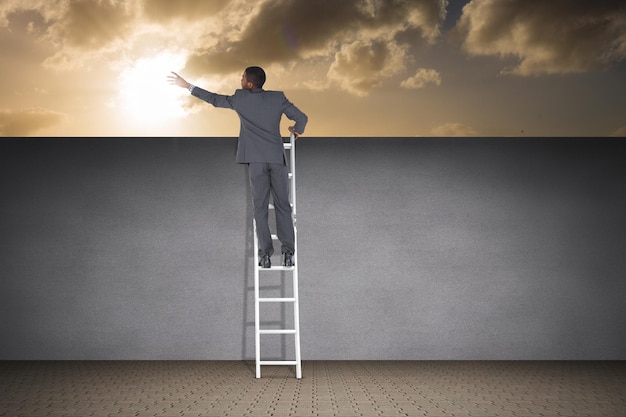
(260,112)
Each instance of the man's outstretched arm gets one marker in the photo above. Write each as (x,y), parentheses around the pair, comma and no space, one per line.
(217,100)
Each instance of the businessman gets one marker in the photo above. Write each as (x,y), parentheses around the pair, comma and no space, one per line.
(260,146)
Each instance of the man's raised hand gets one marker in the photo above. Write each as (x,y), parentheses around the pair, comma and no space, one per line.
(177,80)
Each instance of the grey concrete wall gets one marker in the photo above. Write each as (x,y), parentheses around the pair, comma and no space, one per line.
(409,248)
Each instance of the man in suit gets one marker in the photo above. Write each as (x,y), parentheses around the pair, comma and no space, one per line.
(260,146)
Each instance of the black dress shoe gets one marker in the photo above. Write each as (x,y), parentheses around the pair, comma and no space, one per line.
(288,259)
(264,261)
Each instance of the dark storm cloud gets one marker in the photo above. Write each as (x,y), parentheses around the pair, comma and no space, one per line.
(353,40)
(26,121)
(77,30)
(93,23)
(284,30)
(556,36)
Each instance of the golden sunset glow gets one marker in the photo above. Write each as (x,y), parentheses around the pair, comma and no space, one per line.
(356,67)
(145,98)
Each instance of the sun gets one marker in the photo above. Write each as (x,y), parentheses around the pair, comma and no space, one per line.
(145,97)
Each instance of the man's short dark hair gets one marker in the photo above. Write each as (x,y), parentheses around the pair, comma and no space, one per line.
(256,76)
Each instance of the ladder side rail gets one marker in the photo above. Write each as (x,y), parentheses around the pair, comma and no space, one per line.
(296,309)
(257,324)
(292,163)
(296,304)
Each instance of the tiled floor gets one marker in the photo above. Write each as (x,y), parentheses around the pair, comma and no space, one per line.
(328,388)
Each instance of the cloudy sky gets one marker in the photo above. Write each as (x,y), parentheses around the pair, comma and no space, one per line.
(356,67)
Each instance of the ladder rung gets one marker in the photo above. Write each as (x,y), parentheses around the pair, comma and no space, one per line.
(277,300)
(278,362)
(276,322)
(277,331)
(277,268)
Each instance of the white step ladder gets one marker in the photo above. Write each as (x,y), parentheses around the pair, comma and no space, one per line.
(258,271)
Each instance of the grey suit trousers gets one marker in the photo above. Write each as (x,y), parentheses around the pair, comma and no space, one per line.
(266,178)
